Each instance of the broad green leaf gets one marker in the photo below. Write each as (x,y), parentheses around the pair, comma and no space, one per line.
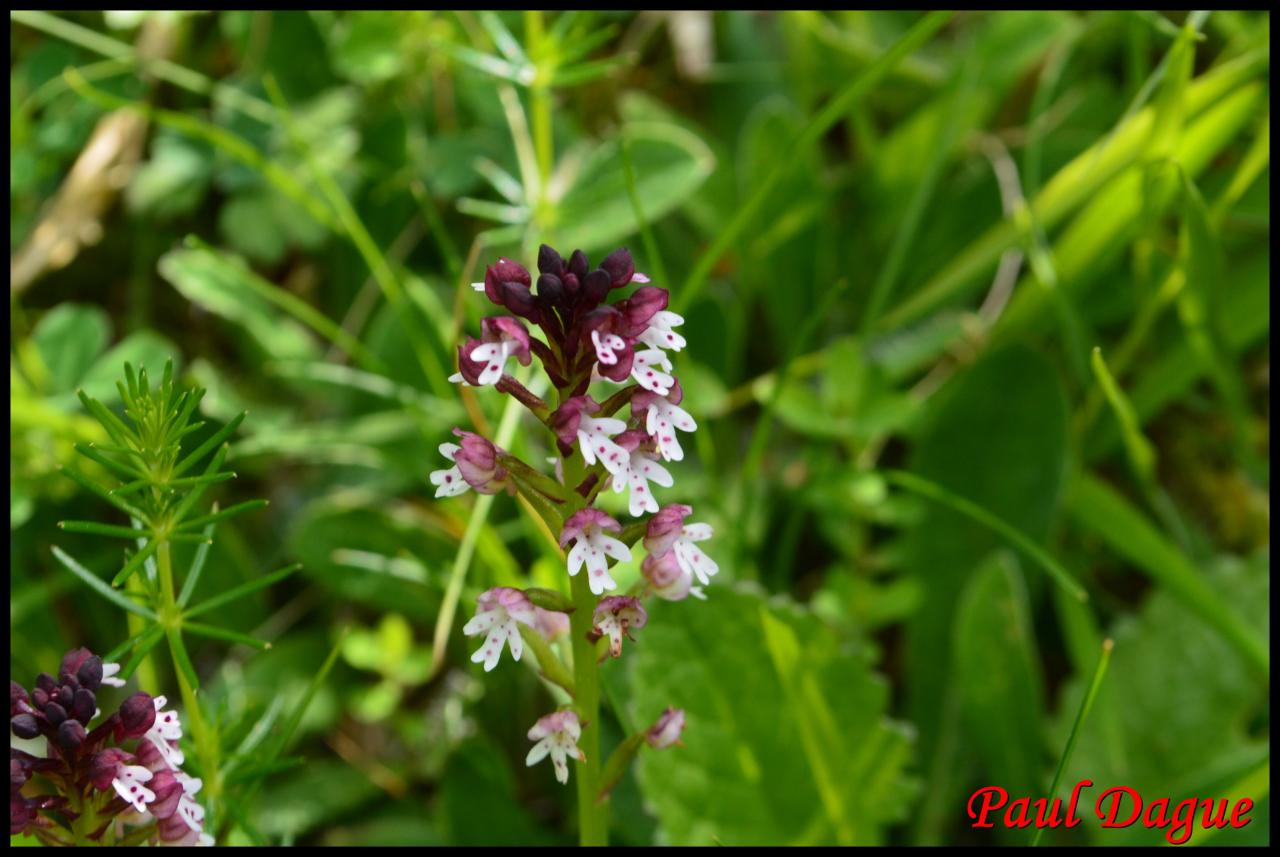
(998,676)
(787,739)
(669,164)
(69,338)
(996,436)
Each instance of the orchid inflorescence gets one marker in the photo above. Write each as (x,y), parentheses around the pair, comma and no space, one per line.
(88,784)
(619,440)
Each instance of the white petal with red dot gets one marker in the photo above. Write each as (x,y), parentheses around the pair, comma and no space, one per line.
(129,785)
(108,675)
(607,346)
(661,421)
(449,482)
(494,355)
(694,561)
(650,369)
(659,333)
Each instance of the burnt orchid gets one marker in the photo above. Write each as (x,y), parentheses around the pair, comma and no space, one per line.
(603,336)
(115,783)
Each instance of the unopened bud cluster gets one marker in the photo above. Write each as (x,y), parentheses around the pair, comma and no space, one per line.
(94,781)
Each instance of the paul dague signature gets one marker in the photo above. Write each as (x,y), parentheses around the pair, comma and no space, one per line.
(1118,806)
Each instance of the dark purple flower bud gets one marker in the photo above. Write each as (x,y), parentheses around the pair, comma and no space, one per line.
(619,266)
(595,287)
(507,284)
(83,706)
(71,662)
(18,699)
(104,766)
(21,813)
(70,735)
(39,698)
(25,726)
(90,673)
(55,713)
(46,682)
(643,305)
(168,792)
(551,289)
(470,369)
(549,261)
(477,461)
(19,773)
(665,527)
(519,300)
(137,714)
(64,696)
(175,829)
(633,440)
(578,265)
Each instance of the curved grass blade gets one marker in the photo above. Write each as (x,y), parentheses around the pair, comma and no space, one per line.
(968,508)
(1083,714)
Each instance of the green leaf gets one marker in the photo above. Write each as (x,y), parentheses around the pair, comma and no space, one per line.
(1100,509)
(223,288)
(997,437)
(787,738)
(669,163)
(998,675)
(100,586)
(69,338)
(1187,708)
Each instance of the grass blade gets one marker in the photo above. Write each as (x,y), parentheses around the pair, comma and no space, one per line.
(968,508)
(1081,716)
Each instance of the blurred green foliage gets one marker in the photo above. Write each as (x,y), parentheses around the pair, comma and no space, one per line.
(886,260)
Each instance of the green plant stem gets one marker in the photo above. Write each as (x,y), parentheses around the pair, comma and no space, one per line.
(593,815)
(540,94)
(201,733)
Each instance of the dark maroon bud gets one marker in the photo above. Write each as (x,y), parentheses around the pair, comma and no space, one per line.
(19,773)
(25,726)
(137,713)
(55,713)
(621,370)
(578,265)
(677,392)
(64,696)
(508,271)
(470,369)
(21,813)
(71,663)
(90,673)
(551,289)
(549,261)
(39,698)
(83,706)
(620,267)
(643,305)
(596,286)
(17,698)
(519,300)
(46,682)
(104,766)
(70,734)
(168,792)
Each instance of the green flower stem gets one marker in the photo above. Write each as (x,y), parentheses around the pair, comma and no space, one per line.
(593,815)
(202,735)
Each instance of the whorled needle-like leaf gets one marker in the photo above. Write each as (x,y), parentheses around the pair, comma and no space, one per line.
(99,586)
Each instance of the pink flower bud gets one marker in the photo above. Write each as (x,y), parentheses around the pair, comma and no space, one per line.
(477,461)
(665,527)
(666,731)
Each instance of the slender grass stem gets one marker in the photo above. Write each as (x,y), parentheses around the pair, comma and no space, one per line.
(1083,714)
